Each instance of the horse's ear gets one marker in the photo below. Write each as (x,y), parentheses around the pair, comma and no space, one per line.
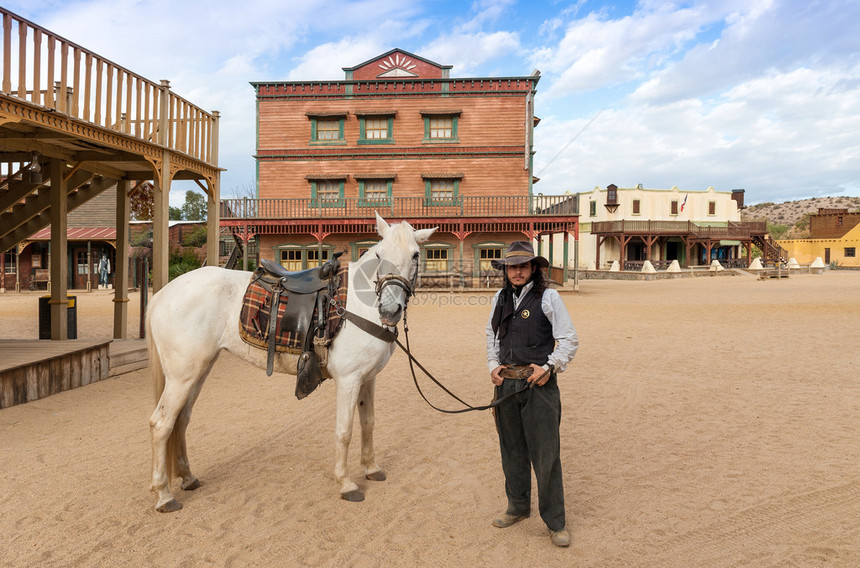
(424,234)
(381,226)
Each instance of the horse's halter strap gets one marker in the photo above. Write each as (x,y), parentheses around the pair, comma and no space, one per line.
(395,279)
(372,328)
(398,280)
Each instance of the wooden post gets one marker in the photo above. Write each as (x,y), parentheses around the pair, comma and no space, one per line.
(160,226)
(213,215)
(213,221)
(89,266)
(59,264)
(144,295)
(245,241)
(161,208)
(565,259)
(551,246)
(120,279)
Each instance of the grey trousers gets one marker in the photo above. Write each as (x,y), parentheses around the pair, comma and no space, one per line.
(528,437)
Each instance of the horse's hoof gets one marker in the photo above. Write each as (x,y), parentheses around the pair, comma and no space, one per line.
(354,496)
(376,476)
(191,484)
(169,507)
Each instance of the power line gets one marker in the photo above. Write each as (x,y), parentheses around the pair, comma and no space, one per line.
(569,143)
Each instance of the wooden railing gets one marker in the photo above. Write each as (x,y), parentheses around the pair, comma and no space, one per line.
(771,251)
(733,230)
(44,69)
(401,207)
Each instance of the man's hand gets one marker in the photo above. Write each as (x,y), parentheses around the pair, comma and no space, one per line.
(539,375)
(496,377)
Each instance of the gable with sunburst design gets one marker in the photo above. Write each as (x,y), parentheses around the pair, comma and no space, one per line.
(397,65)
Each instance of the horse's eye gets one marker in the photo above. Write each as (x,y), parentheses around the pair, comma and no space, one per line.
(416,256)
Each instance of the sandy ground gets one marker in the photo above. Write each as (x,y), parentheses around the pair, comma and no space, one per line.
(708,422)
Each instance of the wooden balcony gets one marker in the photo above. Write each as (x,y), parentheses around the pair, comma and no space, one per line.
(732,231)
(73,124)
(401,208)
(90,97)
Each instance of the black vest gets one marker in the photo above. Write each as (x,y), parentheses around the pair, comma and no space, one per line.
(529,336)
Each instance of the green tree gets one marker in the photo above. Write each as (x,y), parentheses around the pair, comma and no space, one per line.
(194,208)
(175,214)
(801,228)
(180,261)
(196,238)
(777,231)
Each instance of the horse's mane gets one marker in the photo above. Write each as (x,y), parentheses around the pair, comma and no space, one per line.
(399,235)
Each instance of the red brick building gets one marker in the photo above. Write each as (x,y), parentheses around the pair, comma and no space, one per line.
(398,136)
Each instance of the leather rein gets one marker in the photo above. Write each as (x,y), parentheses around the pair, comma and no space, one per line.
(384,334)
(469,407)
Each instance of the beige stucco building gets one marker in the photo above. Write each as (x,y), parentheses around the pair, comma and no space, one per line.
(635,224)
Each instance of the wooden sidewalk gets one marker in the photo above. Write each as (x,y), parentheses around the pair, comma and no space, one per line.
(33,369)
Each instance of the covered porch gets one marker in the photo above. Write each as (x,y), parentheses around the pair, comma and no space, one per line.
(661,242)
(74,124)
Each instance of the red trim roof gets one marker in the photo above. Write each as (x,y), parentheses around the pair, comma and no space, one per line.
(79,234)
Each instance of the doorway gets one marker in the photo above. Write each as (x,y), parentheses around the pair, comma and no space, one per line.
(636,251)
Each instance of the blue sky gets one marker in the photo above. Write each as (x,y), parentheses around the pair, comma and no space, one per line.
(762,95)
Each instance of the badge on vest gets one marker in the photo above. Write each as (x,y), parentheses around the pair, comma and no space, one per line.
(525,314)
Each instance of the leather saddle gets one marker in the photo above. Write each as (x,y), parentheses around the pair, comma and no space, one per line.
(306,294)
(303,281)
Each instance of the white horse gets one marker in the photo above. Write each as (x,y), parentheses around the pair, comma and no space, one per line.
(195,316)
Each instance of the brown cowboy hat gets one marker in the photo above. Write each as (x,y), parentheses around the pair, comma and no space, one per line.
(519,252)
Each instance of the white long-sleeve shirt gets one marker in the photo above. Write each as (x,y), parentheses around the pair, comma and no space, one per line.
(563,331)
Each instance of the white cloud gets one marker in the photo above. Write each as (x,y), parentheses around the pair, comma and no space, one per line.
(761,94)
(774,136)
(466,52)
(326,61)
(596,52)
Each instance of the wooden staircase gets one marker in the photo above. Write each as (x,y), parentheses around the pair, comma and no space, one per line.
(771,252)
(235,255)
(25,202)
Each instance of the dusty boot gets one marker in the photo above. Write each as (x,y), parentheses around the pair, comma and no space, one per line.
(560,538)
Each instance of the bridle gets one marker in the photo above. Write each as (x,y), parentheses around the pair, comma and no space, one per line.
(392,279)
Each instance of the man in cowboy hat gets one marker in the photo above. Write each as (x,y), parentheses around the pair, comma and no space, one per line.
(530,339)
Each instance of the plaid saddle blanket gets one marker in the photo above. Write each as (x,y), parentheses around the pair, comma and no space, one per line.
(256,309)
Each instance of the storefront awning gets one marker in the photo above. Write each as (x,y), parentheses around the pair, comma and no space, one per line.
(78,234)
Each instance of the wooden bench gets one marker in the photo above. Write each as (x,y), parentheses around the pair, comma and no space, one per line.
(772,273)
(40,275)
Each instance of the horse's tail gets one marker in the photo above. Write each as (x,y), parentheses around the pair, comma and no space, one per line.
(158,382)
(154,362)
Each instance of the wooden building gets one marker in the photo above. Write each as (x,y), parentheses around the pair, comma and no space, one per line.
(74,124)
(91,235)
(401,137)
(832,223)
(834,236)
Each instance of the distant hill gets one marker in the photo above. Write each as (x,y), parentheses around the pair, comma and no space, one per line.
(794,214)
